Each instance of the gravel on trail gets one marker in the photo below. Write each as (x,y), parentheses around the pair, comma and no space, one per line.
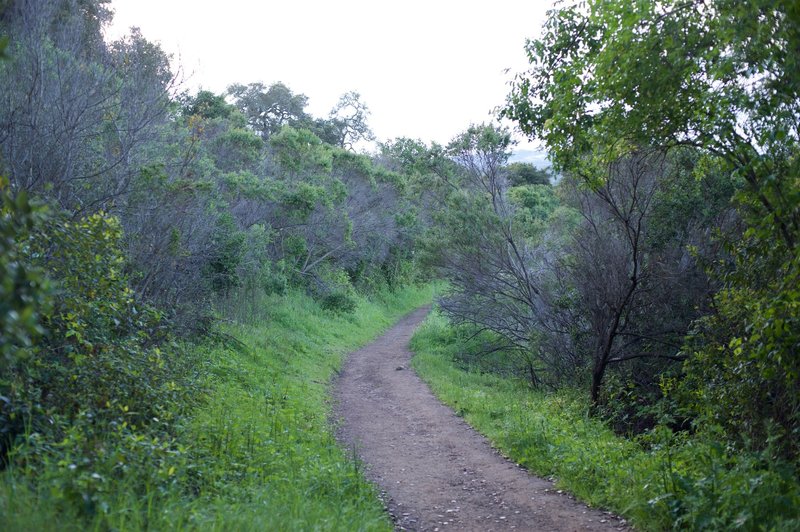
(434,472)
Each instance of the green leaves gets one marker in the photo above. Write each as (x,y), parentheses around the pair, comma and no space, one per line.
(25,292)
(300,152)
(614,76)
(608,78)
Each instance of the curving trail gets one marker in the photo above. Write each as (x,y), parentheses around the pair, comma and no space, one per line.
(434,471)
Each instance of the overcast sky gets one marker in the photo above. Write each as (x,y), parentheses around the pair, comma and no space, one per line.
(426,69)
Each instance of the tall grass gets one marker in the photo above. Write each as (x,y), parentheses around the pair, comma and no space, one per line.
(661,480)
(258,454)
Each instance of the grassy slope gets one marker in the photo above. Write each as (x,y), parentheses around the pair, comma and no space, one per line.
(659,482)
(268,428)
(259,455)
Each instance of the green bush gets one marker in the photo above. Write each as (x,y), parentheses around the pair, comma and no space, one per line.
(228,244)
(334,290)
(25,295)
(98,392)
(743,368)
(248,447)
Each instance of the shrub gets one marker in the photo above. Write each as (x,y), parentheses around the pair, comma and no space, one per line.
(25,294)
(95,391)
(334,291)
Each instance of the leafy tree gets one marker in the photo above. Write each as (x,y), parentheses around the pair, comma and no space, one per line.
(268,109)
(300,153)
(608,78)
(236,149)
(534,204)
(207,105)
(527,174)
(722,83)
(475,244)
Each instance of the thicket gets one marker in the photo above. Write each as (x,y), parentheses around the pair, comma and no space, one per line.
(138,222)
(724,88)
(661,268)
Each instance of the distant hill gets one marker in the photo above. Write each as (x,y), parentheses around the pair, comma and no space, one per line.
(538,158)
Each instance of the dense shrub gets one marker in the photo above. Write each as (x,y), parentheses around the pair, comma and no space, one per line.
(25,295)
(100,387)
(749,349)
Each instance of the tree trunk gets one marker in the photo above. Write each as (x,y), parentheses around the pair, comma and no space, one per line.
(597,381)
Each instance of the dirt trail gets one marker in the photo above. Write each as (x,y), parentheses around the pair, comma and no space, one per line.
(435,472)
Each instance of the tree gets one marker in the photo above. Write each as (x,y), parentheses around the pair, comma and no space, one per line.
(477,247)
(724,81)
(268,109)
(207,105)
(614,270)
(349,119)
(609,78)
(527,174)
(75,115)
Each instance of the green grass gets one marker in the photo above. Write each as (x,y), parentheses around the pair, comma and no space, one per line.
(660,481)
(259,453)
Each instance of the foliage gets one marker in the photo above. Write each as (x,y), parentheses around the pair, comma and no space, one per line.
(123,403)
(335,292)
(268,109)
(95,396)
(659,481)
(229,245)
(748,348)
(76,114)
(474,245)
(723,84)
(25,298)
(25,292)
(242,448)
(527,174)
(207,105)
(349,119)
(574,299)
(534,204)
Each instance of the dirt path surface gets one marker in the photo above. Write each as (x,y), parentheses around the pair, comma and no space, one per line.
(434,471)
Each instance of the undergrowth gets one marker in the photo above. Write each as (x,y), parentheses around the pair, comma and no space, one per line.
(255,453)
(660,480)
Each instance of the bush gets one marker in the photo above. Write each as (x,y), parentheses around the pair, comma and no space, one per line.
(334,290)
(97,392)
(25,294)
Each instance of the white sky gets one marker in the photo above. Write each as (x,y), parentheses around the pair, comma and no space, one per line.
(426,69)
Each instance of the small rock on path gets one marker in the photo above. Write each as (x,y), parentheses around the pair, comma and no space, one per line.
(434,471)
